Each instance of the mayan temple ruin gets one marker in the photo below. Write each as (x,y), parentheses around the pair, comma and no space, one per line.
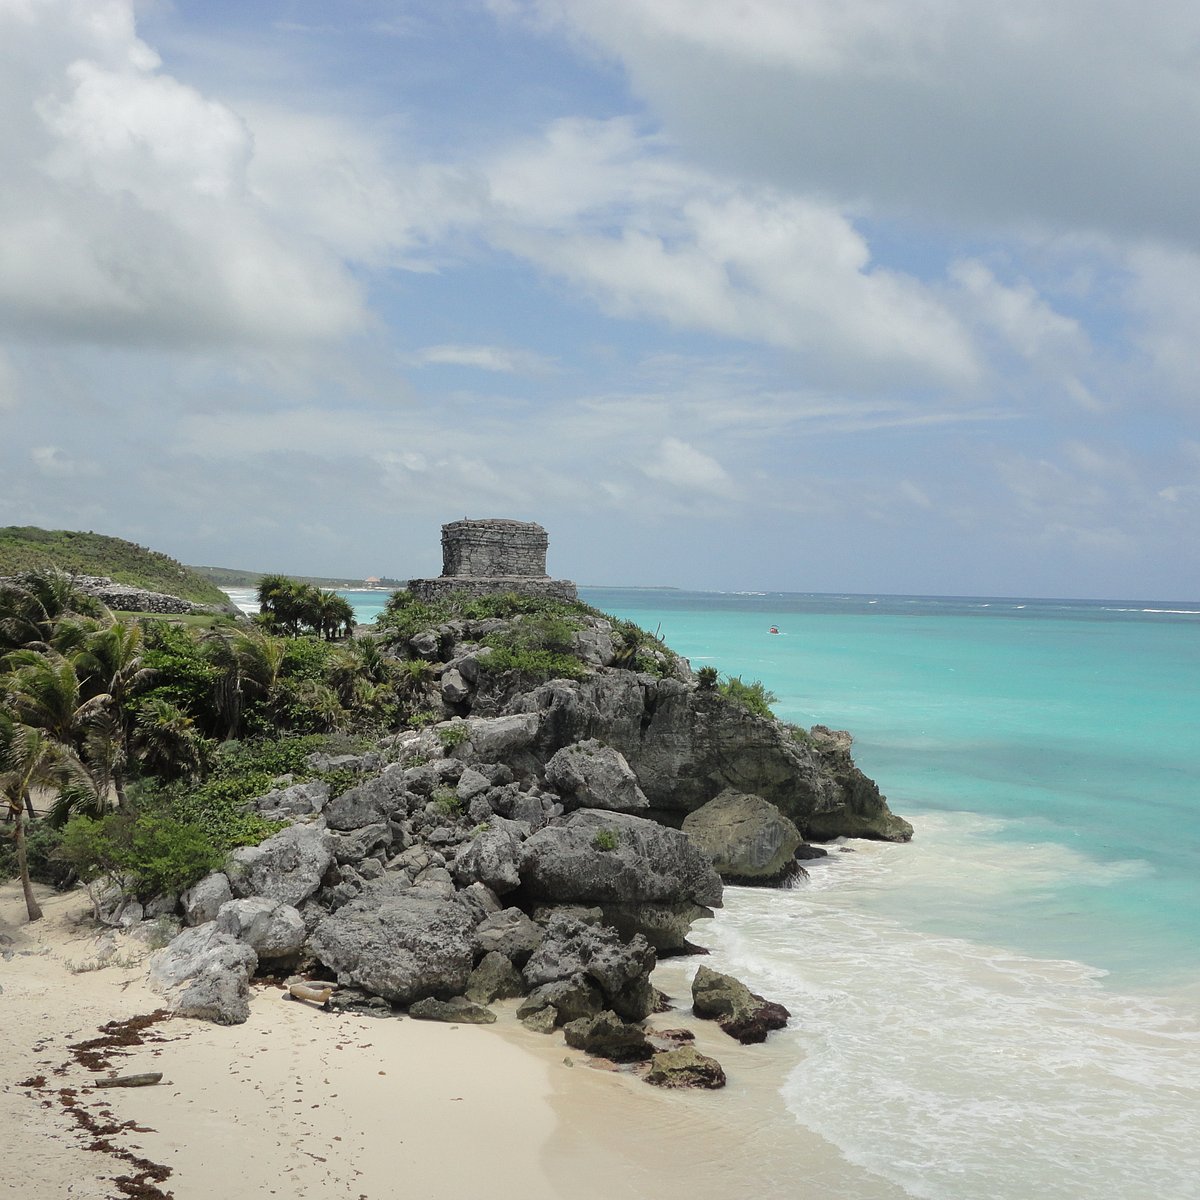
(485,557)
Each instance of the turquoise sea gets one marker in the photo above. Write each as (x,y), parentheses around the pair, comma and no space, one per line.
(1005,1008)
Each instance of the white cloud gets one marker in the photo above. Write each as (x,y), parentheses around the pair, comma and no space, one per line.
(54,461)
(129,211)
(485,358)
(684,467)
(1076,114)
(647,237)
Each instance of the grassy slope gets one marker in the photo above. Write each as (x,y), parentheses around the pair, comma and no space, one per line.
(25,548)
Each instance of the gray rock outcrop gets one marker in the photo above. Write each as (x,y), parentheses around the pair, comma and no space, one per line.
(625,865)
(685,1067)
(607,1036)
(590,775)
(202,901)
(397,944)
(572,949)
(746,839)
(287,867)
(686,745)
(741,1013)
(205,974)
(275,931)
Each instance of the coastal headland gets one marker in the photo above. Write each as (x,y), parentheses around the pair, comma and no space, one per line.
(538,804)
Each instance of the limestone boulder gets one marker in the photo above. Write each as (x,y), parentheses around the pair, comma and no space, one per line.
(287,867)
(589,774)
(288,804)
(510,933)
(685,1067)
(398,944)
(572,949)
(204,973)
(368,803)
(457,1010)
(568,999)
(202,901)
(627,866)
(495,978)
(498,739)
(746,839)
(741,1013)
(273,930)
(607,1036)
(491,858)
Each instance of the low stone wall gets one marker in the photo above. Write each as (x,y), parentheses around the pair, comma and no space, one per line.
(120,597)
(130,599)
(432,590)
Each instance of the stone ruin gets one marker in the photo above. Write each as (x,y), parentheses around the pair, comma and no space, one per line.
(481,558)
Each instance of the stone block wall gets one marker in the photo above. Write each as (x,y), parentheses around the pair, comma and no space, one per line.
(494,548)
(432,590)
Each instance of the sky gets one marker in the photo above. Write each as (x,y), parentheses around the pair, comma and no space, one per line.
(895,296)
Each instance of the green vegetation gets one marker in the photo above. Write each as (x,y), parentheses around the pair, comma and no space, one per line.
(27,548)
(537,644)
(605,839)
(706,678)
(447,802)
(177,727)
(453,735)
(751,696)
(146,854)
(405,615)
(292,608)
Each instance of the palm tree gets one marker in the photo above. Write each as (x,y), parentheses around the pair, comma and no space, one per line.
(111,670)
(28,759)
(167,740)
(42,690)
(335,616)
(286,605)
(32,606)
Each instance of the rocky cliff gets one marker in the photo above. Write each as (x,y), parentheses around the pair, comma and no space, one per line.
(528,844)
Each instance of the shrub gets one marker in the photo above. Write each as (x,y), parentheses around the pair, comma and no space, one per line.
(540,644)
(145,853)
(605,839)
(241,771)
(751,696)
(641,651)
(453,735)
(706,678)
(447,802)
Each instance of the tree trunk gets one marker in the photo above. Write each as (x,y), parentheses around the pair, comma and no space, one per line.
(119,787)
(31,905)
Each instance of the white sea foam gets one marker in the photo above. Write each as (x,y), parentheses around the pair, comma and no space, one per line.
(957,1069)
(246,599)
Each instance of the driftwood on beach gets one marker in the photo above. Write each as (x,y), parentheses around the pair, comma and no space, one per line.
(144,1079)
(318,995)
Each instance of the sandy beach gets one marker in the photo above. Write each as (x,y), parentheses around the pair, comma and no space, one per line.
(298,1101)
